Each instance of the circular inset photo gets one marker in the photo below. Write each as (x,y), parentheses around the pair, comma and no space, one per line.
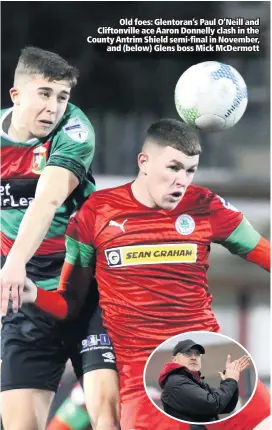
(200,377)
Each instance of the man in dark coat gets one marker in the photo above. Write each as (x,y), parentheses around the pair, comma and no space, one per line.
(185,394)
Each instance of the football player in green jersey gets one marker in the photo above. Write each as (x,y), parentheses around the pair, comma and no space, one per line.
(47,150)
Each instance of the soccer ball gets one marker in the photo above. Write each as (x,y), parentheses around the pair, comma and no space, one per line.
(211,96)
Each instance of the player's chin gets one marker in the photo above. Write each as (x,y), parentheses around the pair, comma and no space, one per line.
(40,132)
(170,204)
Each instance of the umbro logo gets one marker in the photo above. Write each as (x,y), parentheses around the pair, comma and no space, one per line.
(116,224)
(109,355)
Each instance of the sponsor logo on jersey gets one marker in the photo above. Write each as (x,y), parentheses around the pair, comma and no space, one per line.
(151,254)
(227,205)
(94,339)
(109,357)
(17,193)
(185,225)
(84,343)
(76,130)
(96,342)
(117,224)
(39,160)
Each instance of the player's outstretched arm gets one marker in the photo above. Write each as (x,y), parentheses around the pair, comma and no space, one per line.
(68,299)
(67,166)
(260,255)
(232,230)
(77,271)
(248,244)
(54,186)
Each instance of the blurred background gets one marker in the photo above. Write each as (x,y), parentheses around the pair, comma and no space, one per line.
(217,347)
(123,94)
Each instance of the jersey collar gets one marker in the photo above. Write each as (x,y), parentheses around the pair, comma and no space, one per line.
(6,136)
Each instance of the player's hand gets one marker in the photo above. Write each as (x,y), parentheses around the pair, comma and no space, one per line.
(30,291)
(12,278)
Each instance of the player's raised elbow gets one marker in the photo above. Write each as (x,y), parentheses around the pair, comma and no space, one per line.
(46,206)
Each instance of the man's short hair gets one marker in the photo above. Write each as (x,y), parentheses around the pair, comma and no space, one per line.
(177,134)
(36,61)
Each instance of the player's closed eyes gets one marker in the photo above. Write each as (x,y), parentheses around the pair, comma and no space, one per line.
(175,168)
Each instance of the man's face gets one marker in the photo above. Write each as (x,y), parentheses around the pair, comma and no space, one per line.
(190,359)
(40,104)
(168,173)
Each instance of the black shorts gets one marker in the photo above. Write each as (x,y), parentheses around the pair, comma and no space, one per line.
(36,346)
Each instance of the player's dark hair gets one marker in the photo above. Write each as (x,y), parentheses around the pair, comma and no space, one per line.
(177,134)
(36,61)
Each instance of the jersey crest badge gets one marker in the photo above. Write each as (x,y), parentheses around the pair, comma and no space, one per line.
(76,130)
(185,225)
(39,160)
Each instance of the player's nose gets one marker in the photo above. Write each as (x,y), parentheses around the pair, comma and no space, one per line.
(182,179)
(51,105)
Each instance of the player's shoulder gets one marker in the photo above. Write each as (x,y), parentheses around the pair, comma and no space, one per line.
(104,202)
(114,198)
(74,125)
(73,111)
(112,194)
(202,197)
(199,194)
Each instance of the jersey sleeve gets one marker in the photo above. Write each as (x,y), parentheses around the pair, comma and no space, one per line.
(74,144)
(77,269)
(231,228)
(79,238)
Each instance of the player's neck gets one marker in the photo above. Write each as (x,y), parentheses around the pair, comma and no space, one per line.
(16,130)
(141,194)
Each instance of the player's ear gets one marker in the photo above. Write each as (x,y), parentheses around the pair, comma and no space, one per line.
(15,95)
(142,162)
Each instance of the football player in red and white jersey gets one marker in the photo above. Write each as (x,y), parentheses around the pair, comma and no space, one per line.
(150,243)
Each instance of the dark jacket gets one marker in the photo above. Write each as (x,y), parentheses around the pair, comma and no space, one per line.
(187,397)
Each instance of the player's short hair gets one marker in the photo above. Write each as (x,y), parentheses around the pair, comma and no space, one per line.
(36,61)
(177,134)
